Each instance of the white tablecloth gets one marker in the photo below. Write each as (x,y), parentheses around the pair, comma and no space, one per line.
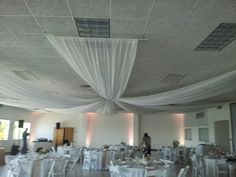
(34,166)
(46,145)
(139,170)
(211,166)
(100,159)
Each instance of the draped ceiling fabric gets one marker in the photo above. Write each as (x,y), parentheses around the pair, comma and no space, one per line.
(105,64)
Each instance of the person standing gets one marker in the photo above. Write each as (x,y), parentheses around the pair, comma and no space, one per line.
(24,136)
(146,144)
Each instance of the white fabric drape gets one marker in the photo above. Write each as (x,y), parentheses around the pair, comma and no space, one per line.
(105,64)
(20,94)
(209,88)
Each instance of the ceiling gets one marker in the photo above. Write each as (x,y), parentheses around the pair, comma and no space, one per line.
(171,30)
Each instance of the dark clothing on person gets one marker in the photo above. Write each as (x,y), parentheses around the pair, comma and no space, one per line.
(146,144)
(24,136)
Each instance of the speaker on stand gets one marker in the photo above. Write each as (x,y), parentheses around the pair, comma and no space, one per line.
(58,125)
(21,123)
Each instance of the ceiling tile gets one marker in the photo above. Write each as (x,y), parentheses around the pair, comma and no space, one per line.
(13,7)
(90,8)
(49,8)
(33,40)
(162,29)
(58,25)
(131,28)
(3,29)
(15,51)
(170,10)
(43,52)
(21,24)
(2,53)
(212,10)
(8,40)
(137,9)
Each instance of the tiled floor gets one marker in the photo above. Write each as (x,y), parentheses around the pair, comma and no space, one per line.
(84,173)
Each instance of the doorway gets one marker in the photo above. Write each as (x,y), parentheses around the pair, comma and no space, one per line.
(222,135)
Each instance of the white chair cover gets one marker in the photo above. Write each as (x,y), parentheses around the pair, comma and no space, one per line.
(14,169)
(87,160)
(114,171)
(58,168)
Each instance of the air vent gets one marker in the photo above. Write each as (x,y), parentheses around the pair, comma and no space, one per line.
(200,115)
(93,27)
(173,78)
(224,34)
(86,87)
(26,75)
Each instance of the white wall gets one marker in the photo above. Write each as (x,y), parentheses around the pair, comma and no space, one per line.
(211,115)
(46,124)
(194,124)
(15,114)
(104,129)
(163,128)
(215,114)
(111,129)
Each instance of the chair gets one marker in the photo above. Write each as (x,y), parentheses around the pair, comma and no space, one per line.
(114,171)
(167,153)
(154,173)
(87,160)
(58,168)
(183,172)
(181,155)
(167,162)
(94,160)
(194,166)
(221,168)
(53,149)
(72,167)
(14,169)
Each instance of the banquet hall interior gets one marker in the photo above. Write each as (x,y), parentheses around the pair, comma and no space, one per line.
(88,78)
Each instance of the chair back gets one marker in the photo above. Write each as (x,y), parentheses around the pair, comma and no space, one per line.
(183,172)
(166,162)
(58,167)
(221,168)
(72,168)
(14,169)
(87,160)
(149,173)
(114,171)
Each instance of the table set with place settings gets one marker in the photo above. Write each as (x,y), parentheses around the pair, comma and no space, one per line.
(97,159)
(33,164)
(138,168)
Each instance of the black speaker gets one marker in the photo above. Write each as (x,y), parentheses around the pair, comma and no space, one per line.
(21,124)
(58,125)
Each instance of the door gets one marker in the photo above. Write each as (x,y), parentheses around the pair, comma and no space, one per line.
(222,135)
(69,132)
(59,136)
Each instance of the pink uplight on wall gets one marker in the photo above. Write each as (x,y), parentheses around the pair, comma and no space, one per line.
(180,118)
(90,117)
(130,117)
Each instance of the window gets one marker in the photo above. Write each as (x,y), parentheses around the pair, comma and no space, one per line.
(4,129)
(17,132)
(188,134)
(203,134)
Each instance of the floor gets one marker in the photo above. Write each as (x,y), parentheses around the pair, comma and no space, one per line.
(84,173)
